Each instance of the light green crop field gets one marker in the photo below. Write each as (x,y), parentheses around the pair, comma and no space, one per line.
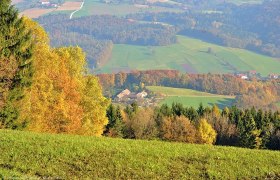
(195,101)
(239,2)
(95,7)
(189,97)
(32,155)
(189,55)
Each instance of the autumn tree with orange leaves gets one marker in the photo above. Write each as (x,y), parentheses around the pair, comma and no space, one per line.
(62,98)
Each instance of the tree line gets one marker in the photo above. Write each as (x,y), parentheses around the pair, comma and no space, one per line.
(261,94)
(250,128)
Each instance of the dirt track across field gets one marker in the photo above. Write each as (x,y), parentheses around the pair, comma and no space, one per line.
(36,12)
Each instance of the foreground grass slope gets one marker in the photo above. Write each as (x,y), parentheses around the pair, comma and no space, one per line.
(189,55)
(25,154)
(189,97)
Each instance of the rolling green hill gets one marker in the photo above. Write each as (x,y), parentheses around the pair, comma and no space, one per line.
(189,97)
(32,155)
(189,55)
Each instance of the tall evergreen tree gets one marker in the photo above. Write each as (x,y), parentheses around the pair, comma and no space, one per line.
(200,110)
(177,109)
(248,133)
(15,63)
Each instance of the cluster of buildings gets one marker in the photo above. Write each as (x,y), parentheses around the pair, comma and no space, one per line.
(47,3)
(250,74)
(127,94)
(128,97)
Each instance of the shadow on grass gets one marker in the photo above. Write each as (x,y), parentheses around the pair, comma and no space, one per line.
(223,103)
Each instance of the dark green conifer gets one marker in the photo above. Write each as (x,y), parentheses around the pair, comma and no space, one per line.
(15,63)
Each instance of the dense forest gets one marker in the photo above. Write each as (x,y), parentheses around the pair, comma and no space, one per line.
(119,30)
(261,94)
(250,128)
(96,34)
(251,26)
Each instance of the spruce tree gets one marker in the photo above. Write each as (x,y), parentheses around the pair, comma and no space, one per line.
(200,110)
(248,133)
(15,63)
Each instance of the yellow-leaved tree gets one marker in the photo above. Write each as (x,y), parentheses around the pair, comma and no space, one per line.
(94,106)
(62,98)
(206,134)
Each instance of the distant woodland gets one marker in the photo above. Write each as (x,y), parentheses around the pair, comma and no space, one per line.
(254,27)
(95,34)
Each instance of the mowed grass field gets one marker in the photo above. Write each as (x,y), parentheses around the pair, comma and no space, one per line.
(95,7)
(189,55)
(32,155)
(189,97)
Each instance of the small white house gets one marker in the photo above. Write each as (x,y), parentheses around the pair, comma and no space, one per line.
(142,94)
(273,76)
(242,76)
(45,2)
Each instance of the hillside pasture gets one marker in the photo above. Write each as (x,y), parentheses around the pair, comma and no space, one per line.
(26,155)
(189,55)
(189,97)
(95,7)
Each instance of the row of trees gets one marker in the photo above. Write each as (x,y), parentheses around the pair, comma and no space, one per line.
(261,94)
(45,89)
(138,123)
(248,128)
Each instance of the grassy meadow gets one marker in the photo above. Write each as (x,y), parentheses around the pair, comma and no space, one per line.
(189,97)
(95,7)
(33,155)
(189,55)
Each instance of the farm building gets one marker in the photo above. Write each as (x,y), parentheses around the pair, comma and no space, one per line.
(142,94)
(273,76)
(45,2)
(123,94)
